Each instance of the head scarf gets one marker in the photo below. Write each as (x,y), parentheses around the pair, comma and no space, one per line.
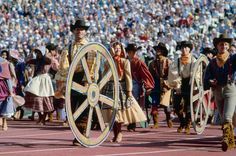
(117,59)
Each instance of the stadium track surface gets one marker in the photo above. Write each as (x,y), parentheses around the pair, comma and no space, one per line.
(25,138)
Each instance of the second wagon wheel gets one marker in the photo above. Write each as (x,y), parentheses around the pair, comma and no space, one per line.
(200,99)
(88,94)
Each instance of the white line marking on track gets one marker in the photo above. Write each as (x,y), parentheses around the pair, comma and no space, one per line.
(139,143)
(30,135)
(43,150)
(152,152)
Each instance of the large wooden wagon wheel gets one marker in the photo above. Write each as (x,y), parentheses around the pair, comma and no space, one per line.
(200,99)
(90,90)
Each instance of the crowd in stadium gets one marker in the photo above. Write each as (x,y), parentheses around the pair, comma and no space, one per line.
(28,23)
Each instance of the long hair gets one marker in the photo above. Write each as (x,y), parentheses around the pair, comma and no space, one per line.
(40,62)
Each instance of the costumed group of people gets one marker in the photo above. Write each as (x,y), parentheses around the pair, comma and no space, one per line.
(137,80)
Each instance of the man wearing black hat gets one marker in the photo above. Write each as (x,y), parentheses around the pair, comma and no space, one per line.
(179,78)
(221,77)
(159,68)
(79,30)
(141,77)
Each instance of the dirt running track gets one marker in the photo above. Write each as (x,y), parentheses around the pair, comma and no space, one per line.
(24,138)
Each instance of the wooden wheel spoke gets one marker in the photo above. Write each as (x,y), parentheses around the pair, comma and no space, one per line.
(196,97)
(105,79)
(97,66)
(106,100)
(201,76)
(81,109)
(79,88)
(100,118)
(201,113)
(197,82)
(197,110)
(205,104)
(89,122)
(86,70)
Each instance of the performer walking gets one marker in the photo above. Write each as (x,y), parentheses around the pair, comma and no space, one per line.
(160,95)
(220,76)
(79,29)
(39,91)
(141,77)
(179,78)
(129,110)
(6,92)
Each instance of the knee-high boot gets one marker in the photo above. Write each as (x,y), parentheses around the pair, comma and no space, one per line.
(231,138)
(154,114)
(117,132)
(188,123)
(40,118)
(155,120)
(228,140)
(182,122)
(82,125)
(168,121)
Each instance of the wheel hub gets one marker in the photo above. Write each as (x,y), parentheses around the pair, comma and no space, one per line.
(93,94)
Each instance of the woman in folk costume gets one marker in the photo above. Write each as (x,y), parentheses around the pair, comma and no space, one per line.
(159,69)
(221,77)
(179,76)
(6,92)
(39,91)
(17,69)
(53,55)
(143,82)
(128,112)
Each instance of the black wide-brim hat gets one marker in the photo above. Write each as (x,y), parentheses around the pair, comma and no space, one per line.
(222,38)
(161,46)
(131,47)
(186,44)
(79,23)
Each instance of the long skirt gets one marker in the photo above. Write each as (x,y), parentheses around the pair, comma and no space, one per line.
(37,103)
(39,94)
(7,108)
(6,103)
(129,110)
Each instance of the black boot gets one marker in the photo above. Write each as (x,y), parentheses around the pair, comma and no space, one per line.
(168,121)
(131,127)
(115,131)
(182,123)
